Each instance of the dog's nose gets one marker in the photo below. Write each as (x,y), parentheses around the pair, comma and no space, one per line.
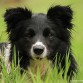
(38,49)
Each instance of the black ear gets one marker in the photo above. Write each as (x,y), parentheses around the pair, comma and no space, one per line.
(15,15)
(62,13)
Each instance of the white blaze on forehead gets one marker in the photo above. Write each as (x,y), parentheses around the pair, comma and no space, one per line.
(44,52)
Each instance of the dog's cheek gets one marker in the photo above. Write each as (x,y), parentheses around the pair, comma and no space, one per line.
(52,47)
(23,44)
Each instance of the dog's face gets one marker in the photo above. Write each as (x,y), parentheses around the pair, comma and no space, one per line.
(39,35)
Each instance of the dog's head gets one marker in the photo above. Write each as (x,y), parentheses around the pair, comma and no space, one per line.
(39,35)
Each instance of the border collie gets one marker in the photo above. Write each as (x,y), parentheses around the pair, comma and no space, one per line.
(40,37)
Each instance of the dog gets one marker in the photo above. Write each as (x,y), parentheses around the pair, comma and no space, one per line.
(41,38)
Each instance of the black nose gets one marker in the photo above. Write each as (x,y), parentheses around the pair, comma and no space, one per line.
(38,49)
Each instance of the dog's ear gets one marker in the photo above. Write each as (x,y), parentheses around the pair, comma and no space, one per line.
(62,13)
(16,15)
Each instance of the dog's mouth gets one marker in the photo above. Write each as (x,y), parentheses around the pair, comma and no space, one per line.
(39,58)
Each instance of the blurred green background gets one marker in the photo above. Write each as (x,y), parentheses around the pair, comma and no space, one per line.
(42,6)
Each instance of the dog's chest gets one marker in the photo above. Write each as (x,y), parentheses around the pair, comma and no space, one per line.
(39,66)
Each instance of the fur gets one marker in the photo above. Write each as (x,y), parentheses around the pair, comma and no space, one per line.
(5,48)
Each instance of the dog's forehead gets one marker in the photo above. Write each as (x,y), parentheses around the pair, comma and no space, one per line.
(40,20)
(39,17)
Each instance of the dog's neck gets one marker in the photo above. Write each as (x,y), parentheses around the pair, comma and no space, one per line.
(39,66)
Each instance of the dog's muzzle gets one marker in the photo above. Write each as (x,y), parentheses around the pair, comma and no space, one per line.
(38,49)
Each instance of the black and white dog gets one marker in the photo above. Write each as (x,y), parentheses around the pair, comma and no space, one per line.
(38,38)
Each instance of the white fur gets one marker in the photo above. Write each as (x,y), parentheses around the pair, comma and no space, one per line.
(7,56)
(44,54)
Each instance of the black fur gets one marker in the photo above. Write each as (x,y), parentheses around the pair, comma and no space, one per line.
(53,29)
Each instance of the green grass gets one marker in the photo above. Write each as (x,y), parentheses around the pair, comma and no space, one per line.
(15,76)
(77,33)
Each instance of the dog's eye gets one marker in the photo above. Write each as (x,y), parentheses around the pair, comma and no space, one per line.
(48,34)
(30,34)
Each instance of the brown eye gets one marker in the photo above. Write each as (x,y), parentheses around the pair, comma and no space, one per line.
(50,36)
(30,33)
(48,33)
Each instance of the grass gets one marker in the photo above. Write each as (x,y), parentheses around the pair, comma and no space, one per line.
(77,33)
(15,76)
